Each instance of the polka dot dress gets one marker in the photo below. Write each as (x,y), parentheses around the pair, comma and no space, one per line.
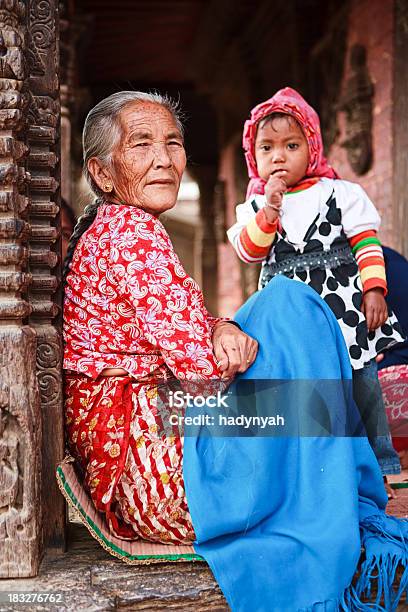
(316,220)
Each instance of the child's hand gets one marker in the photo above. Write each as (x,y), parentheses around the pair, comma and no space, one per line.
(274,190)
(374,308)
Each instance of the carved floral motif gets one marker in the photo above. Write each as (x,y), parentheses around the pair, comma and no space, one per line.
(47,355)
(41,24)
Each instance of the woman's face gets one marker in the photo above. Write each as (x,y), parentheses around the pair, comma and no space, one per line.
(280,145)
(149,160)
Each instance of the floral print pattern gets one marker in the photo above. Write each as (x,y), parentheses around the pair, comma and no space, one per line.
(129,302)
(133,472)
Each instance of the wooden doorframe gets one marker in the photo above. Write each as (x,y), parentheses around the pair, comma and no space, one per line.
(31,425)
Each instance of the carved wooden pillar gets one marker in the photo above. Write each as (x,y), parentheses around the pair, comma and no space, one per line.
(68,40)
(20,414)
(43,161)
(65,145)
(206,177)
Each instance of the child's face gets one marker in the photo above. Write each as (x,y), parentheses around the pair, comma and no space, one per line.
(281,147)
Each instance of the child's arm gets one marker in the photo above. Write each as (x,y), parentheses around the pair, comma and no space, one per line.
(360,222)
(254,233)
(370,259)
(252,241)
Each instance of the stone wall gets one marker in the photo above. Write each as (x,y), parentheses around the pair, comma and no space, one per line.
(371,24)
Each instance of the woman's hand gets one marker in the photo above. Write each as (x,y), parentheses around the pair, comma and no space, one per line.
(234,350)
(374,308)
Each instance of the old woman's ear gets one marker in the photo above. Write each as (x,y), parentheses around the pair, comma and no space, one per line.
(100,174)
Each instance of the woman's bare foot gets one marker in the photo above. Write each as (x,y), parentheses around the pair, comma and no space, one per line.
(389,490)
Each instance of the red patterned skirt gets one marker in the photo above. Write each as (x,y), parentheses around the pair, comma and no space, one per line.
(132,471)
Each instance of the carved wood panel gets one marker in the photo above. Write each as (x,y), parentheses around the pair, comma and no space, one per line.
(20,413)
(43,163)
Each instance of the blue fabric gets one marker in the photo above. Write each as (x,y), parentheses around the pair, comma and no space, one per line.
(278,519)
(396,267)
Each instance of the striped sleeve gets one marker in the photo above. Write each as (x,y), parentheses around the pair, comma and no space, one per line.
(254,241)
(370,260)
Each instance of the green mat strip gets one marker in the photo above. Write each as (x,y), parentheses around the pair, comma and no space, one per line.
(69,494)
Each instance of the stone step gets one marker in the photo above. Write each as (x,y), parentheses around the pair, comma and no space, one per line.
(91,580)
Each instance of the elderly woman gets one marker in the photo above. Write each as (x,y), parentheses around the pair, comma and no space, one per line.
(132,316)
(263,511)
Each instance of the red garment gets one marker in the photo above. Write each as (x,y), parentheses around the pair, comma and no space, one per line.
(132,471)
(394,385)
(129,303)
(287,101)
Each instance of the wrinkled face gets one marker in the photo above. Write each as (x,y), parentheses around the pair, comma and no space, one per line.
(281,146)
(149,160)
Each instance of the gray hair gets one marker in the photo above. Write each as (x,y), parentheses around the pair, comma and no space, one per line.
(102,130)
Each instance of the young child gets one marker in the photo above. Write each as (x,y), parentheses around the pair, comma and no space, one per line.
(301,220)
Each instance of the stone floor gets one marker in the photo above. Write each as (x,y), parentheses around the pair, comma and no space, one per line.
(90,580)
(399,505)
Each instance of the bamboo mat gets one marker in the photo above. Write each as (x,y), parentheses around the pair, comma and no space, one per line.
(134,552)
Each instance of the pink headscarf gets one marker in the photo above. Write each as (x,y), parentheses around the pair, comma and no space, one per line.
(287,101)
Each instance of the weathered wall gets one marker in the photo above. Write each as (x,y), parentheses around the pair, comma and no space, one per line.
(371,24)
